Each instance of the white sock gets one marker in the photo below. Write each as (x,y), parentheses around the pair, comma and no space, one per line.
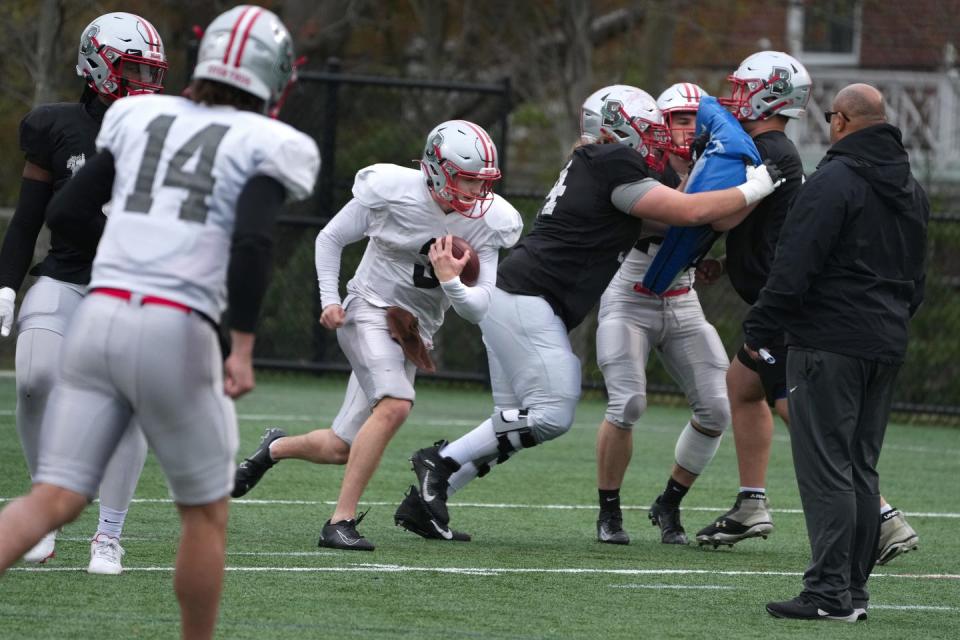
(886,509)
(111,521)
(468,471)
(762,490)
(474,445)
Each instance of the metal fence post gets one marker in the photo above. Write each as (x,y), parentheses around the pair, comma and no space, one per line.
(328,143)
(506,105)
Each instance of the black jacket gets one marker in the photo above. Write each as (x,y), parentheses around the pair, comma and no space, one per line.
(849,267)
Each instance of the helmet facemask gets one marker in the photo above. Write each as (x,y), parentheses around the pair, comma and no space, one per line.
(129,73)
(680,149)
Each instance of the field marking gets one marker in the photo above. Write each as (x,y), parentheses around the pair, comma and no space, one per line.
(713,587)
(912,607)
(367,567)
(498,505)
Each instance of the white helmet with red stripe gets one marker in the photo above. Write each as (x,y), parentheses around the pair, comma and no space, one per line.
(681,98)
(767,84)
(248,48)
(121,54)
(461,165)
(633,119)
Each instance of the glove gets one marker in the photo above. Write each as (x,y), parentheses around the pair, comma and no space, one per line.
(7,307)
(759,183)
(698,146)
(405,329)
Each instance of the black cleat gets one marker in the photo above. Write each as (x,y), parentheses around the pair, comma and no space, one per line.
(414,517)
(610,528)
(433,476)
(802,608)
(344,535)
(667,517)
(251,470)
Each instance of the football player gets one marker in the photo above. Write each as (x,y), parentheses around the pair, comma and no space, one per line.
(195,185)
(632,321)
(406,280)
(555,275)
(767,90)
(120,54)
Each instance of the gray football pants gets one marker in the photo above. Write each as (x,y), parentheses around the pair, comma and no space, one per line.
(44,316)
(839,407)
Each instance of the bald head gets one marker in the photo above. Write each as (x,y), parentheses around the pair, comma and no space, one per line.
(861,102)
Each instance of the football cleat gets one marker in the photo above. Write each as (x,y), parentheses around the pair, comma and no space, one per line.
(251,470)
(43,550)
(413,516)
(667,517)
(896,537)
(105,556)
(749,518)
(610,528)
(433,476)
(802,608)
(344,535)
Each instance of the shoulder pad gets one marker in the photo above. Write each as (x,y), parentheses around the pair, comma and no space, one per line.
(379,185)
(293,158)
(505,221)
(35,133)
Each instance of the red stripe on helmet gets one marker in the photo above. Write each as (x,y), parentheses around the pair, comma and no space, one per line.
(489,149)
(246,36)
(151,34)
(233,33)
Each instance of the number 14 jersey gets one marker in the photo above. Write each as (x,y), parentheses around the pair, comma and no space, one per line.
(180,167)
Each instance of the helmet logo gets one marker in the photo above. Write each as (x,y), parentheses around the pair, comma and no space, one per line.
(779,81)
(86,43)
(612,113)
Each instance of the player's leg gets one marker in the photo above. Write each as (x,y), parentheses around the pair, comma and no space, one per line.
(320,446)
(198,580)
(533,350)
(623,339)
(693,354)
(44,316)
(116,491)
(386,379)
(27,519)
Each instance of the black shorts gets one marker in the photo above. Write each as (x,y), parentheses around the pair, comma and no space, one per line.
(773,377)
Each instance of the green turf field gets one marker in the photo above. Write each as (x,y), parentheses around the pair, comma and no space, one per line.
(533,570)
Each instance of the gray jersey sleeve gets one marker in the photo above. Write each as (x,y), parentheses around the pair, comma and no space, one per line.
(348,226)
(625,196)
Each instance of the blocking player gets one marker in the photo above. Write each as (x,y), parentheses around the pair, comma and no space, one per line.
(632,321)
(767,90)
(195,185)
(554,276)
(120,54)
(407,271)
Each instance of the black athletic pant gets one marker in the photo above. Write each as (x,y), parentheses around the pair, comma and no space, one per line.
(839,406)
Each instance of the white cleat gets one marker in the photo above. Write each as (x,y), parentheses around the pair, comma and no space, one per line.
(43,550)
(105,556)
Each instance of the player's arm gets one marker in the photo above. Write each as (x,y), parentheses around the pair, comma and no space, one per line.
(77,208)
(248,275)
(348,226)
(470,303)
(663,204)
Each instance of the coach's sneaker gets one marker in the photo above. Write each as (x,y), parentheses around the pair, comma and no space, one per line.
(251,470)
(749,518)
(105,556)
(610,528)
(344,535)
(667,517)
(433,475)
(802,608)
(43,550)
(414,517)
(896,537)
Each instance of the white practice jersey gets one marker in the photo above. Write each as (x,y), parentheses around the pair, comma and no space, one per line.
(393,207)
(180,168)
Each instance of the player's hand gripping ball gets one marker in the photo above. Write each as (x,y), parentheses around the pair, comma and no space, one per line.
(447,257)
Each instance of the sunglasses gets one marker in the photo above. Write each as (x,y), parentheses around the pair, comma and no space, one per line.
(828,115)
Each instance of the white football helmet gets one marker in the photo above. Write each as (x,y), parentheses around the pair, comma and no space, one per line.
(633,119)
(455,150)
(766,84)
(590,117)
(248,48)
(683,97)
(121,54)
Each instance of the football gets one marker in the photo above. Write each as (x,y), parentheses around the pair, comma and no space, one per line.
(471,270)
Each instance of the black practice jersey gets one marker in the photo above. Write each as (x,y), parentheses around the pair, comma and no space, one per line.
(752,243)
(59,138)
(579,238)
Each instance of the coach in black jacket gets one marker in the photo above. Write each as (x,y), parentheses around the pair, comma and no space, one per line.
(847,277)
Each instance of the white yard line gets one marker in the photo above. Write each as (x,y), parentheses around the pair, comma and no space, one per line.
(709,587)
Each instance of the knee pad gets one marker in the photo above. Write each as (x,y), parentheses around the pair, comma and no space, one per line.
(713,414)
(695,450)
(513,433)
(623,412)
